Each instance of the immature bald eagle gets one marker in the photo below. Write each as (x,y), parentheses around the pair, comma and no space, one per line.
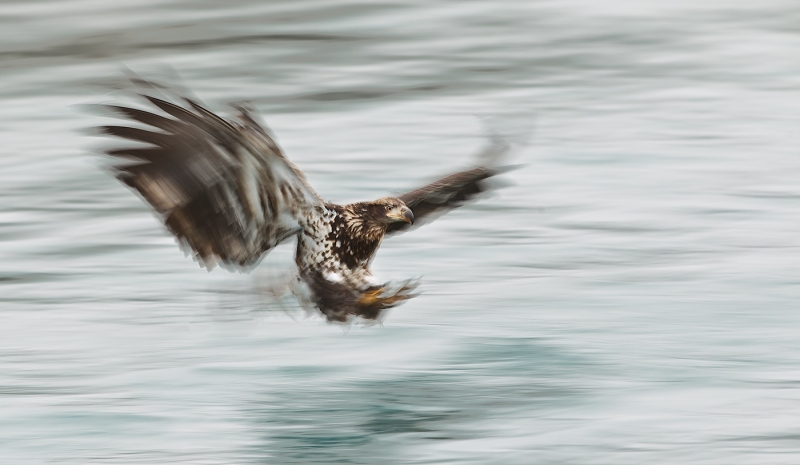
(225,189)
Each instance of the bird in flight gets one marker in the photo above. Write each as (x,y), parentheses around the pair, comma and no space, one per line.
(224,188)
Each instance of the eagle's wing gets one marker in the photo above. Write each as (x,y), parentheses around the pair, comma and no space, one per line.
(450,192)
(223,187)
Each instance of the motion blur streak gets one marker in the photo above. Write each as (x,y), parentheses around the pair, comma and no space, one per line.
(631,299)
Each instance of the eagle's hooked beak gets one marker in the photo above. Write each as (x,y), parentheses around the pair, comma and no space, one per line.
(408,215)
(403,214)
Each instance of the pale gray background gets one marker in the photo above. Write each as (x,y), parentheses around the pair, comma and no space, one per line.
(632,299)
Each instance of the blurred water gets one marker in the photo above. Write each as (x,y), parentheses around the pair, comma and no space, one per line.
(631,299)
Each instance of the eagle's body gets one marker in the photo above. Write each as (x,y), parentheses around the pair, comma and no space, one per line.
(334,250)
(227,192)
(330,243)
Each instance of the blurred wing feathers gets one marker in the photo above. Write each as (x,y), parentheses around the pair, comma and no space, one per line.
(449,192)
(224,188)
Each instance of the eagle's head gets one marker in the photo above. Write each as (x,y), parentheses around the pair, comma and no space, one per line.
(371,219)
(388,210)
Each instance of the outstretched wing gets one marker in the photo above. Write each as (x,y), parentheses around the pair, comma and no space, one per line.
(449,192)
(223,187)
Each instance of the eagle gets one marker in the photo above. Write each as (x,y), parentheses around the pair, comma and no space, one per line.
(225,189)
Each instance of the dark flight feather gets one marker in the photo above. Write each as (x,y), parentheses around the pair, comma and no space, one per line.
(452,191)
(226,191)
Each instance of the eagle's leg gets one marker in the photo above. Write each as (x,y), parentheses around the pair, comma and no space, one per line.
(382,297)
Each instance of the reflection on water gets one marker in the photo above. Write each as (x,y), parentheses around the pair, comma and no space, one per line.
(630,298)
(362,420)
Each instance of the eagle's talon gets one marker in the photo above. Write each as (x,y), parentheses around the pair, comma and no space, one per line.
(378,297)
(371,296)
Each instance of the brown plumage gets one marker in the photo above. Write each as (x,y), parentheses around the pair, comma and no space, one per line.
(225,189)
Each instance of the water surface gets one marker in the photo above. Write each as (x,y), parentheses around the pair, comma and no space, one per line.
(631,297)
